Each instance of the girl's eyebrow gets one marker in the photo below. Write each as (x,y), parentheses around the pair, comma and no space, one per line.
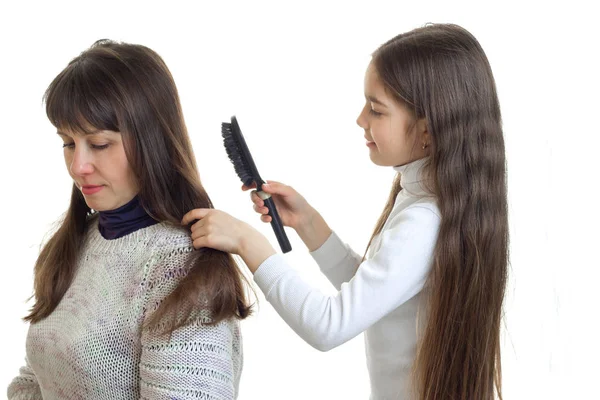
(374,99)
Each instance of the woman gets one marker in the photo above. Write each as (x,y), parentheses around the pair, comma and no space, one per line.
(124,306)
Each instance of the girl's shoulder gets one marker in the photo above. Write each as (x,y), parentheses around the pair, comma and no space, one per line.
(417,206)
(419,215)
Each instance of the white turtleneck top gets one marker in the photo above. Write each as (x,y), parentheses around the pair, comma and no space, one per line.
(380,296)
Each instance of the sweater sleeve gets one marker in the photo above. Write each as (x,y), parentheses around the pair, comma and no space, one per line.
(25,386)
(337,260)
(198,361)
(395,273)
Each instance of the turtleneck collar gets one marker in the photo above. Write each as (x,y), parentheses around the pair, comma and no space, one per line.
(412,177)
(124,220)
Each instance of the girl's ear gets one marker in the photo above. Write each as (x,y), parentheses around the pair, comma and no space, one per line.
(422,128)
(423,132)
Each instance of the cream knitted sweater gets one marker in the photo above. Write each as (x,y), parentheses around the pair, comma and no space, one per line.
(92,345)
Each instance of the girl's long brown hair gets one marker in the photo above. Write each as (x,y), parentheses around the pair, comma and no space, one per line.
(441,72)
(128,88)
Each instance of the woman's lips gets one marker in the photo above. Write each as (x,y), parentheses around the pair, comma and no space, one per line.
(90,189)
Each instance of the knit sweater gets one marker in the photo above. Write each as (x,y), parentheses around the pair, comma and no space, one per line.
(93,346)
(380,296)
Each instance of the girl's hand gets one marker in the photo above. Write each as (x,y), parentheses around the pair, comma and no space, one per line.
(294,212)
(220,231)
(293,209)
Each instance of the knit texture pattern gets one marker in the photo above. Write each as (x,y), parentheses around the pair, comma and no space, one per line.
(93,346)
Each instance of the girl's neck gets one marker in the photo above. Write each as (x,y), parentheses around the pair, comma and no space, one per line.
(412,177)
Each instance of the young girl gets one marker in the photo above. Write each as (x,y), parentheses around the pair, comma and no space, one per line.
(124,306)
(429,292)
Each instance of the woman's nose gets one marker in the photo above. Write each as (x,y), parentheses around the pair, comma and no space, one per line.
(81,164)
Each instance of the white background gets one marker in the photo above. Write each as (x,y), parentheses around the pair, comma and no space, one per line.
(293,73)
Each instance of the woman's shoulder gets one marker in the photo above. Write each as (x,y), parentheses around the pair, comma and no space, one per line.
(159,238)
(170,255)
(170,247)
(168,237)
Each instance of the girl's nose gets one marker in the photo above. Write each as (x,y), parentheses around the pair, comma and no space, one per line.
(362,120)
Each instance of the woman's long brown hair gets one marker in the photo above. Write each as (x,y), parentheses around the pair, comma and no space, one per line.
(128,88)
(442,74)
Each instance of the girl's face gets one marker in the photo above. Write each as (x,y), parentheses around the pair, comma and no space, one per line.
(99,167)
(393,137)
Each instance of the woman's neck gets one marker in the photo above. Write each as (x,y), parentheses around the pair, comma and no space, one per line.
(124,220)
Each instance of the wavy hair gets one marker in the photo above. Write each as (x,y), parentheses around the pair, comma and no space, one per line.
(441,73)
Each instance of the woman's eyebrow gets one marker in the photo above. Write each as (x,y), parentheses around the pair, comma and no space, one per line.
(86,133)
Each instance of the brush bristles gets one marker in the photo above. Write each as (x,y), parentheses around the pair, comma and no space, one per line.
(235,154)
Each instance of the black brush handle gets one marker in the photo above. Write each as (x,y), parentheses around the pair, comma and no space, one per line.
(277,226)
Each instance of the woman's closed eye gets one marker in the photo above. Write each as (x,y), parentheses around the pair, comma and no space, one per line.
(93,146)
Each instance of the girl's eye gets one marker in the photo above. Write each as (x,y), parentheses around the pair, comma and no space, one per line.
(68,145)
(374,113)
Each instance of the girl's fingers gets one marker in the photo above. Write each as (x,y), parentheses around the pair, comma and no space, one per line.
(265,218)
(273,183)
(202,230)
(274,187)
(252,186)
(255,199)
(197,225)
(261,210)
(197,213)
(197,234)
(199,243)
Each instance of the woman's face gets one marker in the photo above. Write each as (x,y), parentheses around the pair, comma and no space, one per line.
(99,167)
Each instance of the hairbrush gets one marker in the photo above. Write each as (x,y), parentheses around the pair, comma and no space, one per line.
(242,161)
